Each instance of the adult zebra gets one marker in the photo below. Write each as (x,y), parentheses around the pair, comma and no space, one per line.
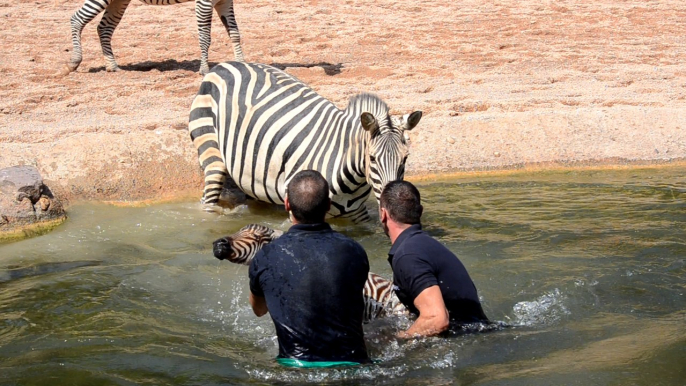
(379,298)
(259,126)
(114,11)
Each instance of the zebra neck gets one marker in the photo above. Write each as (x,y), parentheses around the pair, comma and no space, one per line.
(368,103)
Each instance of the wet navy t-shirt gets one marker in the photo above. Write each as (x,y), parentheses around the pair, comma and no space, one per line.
(312,280)
(419,262)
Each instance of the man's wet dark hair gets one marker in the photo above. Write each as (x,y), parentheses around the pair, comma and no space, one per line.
(308,195)
(402,201)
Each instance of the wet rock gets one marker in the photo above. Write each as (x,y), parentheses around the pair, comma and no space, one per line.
(27,206)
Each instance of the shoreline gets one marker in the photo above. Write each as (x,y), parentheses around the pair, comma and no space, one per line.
(541,168)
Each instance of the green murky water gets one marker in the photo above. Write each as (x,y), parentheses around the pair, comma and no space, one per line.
(589,266)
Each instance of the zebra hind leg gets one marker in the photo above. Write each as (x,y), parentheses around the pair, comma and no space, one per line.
(215,178)
(113,14)
(205,140)
(84,15)
(225,11)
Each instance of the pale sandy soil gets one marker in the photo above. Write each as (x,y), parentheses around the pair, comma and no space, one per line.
(503,84)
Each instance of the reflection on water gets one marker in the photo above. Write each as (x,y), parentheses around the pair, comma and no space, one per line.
(588,266)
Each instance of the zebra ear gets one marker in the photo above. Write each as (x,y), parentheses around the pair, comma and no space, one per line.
(369,123)
(411,120)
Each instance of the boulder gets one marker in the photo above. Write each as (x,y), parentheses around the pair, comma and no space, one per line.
(27,206)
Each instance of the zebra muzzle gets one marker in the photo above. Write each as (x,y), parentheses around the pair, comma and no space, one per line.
(223,249)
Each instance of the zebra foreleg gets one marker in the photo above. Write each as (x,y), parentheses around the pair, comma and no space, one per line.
(113,14)
(225,11)
(359,215)
(88,11)
(203,14)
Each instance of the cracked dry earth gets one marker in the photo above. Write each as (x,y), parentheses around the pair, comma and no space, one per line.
(502,84)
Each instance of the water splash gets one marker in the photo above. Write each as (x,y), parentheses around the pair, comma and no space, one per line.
(319,376)
(545,310)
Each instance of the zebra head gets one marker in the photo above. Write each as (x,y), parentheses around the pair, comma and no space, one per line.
(387,147)
(241,247)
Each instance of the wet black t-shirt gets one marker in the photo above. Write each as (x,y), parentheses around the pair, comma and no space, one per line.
(419,262)
(312,280)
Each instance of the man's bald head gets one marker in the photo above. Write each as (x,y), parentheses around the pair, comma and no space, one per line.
(308,196)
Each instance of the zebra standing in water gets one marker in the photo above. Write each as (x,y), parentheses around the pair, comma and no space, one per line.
(260,126)
(241,247)
(114,11)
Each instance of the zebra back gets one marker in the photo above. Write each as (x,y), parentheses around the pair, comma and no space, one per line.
(380,299)
(241,247)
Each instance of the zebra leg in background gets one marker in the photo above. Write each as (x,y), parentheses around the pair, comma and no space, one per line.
(203,14)
(88,11)
(359,215)
(225,11)
(113,14)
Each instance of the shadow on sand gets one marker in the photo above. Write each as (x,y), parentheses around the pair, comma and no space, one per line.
(194,65)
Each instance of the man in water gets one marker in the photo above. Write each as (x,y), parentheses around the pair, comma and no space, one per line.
(310,280)
(429,279)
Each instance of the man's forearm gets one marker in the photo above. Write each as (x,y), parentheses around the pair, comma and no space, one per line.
(433,316)
(259,305)
(425,326)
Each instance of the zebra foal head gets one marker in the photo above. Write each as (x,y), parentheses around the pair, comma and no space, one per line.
(387,148)
(241,247)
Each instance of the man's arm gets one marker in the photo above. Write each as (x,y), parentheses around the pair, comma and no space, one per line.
(259,305)
(433,316)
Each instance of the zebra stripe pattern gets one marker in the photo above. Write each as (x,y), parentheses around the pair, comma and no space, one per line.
(114,11)
(259,126)
(241,247)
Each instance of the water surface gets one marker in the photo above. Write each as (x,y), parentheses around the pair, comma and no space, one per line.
(588,266)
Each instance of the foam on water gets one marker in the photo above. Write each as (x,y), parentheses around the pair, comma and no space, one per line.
(545,310)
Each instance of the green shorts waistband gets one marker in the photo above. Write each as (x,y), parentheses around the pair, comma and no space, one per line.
(291,362)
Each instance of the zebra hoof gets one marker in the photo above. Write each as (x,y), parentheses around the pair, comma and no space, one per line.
(66,70)
(113,69)
(204,70)
(212,208)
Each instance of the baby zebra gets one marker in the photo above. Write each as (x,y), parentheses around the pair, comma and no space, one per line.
(240,248)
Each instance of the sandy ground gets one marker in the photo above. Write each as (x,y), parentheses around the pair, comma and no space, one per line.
(502,84)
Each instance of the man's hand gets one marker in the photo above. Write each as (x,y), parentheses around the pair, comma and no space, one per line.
(259,305)
(433,316)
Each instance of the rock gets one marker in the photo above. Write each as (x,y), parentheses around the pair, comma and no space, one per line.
(27,206)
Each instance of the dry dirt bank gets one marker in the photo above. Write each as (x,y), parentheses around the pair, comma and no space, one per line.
(503,84)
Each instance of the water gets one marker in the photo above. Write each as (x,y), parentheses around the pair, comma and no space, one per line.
(589,266)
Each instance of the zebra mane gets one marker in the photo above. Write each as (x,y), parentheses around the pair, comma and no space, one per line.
(369,103)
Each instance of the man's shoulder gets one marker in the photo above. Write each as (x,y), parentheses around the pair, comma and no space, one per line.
(418,242)
(347,241)
(422,246)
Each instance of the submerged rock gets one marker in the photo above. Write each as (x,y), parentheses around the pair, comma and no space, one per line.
(27,206)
